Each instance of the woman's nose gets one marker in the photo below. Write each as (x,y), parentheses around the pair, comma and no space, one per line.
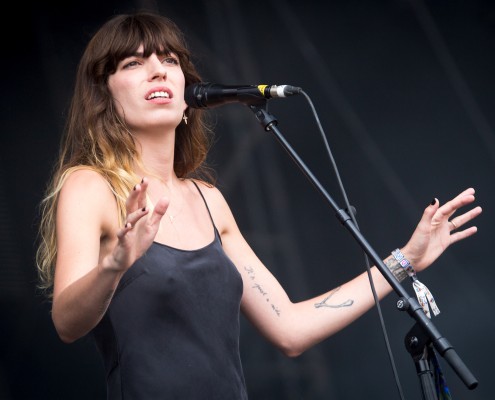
(157,68)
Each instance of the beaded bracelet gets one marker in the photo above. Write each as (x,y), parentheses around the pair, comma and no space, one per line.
(424,296)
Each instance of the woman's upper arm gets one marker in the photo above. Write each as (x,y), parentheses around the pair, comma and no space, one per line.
(85,210)
(264,301)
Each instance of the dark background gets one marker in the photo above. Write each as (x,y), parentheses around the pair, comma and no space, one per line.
(405,93)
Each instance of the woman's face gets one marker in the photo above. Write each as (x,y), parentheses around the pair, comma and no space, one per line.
(149,92)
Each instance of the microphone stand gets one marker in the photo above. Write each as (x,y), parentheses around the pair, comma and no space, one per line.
(424,336)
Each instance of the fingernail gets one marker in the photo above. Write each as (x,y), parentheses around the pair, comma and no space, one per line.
(144,209)
(433,201)
(142,180)
(134,188)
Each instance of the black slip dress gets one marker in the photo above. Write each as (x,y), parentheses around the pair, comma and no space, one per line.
(171,330)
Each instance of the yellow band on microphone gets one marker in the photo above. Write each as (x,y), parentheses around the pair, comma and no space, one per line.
(262,88)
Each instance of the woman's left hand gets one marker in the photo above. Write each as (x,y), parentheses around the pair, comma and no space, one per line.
(437,230)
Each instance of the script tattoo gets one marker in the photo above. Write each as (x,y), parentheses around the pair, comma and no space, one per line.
(323,303)
(259,288)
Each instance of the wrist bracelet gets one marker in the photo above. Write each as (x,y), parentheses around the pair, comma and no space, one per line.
(404,262)
(424,296)
(396,269)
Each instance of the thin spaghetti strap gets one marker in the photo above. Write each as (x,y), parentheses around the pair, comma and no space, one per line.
(208,209)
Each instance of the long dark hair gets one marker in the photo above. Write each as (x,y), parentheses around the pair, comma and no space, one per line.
(96,138)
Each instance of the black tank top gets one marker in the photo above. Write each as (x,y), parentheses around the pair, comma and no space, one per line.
(172,328)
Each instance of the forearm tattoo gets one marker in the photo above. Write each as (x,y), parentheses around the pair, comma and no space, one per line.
(324,303)
(258,288)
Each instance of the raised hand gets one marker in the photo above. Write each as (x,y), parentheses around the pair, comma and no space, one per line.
(139,231)
(438,229)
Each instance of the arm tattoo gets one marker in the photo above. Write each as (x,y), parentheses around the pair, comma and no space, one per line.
(323,303)
(259,289)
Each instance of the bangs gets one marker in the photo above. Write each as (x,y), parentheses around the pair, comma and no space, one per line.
(155,35)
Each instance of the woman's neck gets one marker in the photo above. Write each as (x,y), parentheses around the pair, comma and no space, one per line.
(157,155)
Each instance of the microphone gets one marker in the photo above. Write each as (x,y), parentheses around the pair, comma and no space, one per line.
(209,95)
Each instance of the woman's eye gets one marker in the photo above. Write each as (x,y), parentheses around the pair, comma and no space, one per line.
(171,60)
(130,64)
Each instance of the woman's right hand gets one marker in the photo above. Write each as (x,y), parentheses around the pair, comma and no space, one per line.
(139,231)
(92,251)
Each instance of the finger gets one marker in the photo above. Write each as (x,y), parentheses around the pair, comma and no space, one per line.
(121,234)
(143,187)
(131,202)
(460,220)
(466,192)
(428,214)
(459,201)
(456,236)
(159,210)
(137,196)
(133,218)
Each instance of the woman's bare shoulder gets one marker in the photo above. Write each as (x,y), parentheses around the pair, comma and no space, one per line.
(219,207)
(86,183)
(211,193)
(84,178)
(87,192)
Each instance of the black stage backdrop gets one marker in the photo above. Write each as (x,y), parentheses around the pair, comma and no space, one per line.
(405,93)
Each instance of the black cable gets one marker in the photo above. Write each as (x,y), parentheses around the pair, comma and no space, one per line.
(353,217)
